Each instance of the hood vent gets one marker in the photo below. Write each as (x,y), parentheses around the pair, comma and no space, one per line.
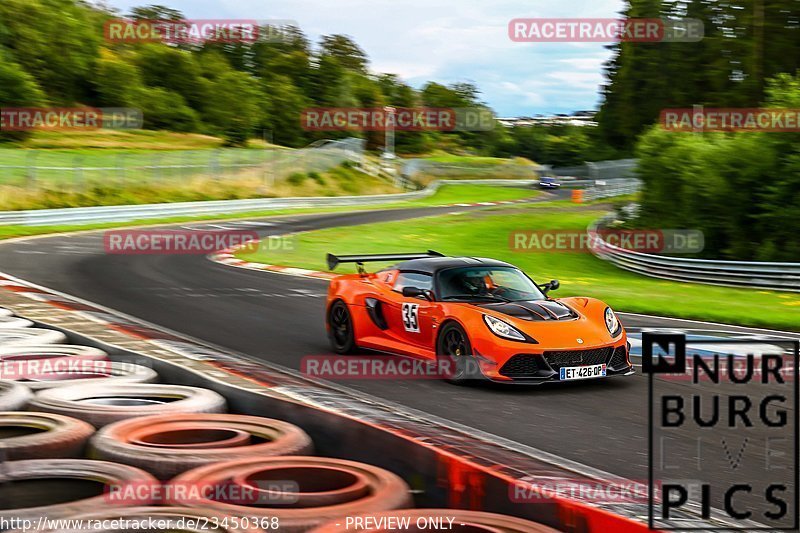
(534,310)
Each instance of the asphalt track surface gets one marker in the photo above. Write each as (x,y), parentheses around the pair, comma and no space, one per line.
(279,318)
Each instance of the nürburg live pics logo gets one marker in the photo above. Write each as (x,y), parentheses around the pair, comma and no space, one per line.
(722,439)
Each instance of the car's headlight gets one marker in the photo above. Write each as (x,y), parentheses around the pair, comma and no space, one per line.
(503,329)
(612,322)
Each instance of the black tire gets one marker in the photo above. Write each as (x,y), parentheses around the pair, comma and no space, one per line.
(109,373)
(26,336)
(340,328)
(61,488)
(454,355)
(339,488)
(101,405)
(168,445)
(13,396)
(42,435)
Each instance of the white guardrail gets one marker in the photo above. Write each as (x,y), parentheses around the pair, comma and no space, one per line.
(765,275)
(126,213)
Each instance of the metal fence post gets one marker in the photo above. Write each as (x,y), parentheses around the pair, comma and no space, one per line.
(30,174)
(78,176)
(120,168)
(215,164)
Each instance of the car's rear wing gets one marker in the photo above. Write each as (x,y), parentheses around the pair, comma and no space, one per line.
(334,260)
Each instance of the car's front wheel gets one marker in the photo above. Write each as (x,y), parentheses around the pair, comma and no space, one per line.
(340,328)
(454,355)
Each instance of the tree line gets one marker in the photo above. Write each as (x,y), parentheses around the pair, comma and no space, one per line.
(742,189)
(745,43)
(54,53)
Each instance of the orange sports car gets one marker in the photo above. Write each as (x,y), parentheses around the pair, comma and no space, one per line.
(475,317)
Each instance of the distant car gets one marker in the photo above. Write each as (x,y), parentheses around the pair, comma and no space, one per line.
(548,182)
(478,318)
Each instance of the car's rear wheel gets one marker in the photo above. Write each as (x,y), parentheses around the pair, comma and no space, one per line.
(340,323)
(454,355)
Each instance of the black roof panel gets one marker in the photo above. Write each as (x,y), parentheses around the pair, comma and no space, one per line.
(432,265)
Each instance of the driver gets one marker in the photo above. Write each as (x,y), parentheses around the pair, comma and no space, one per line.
(475,285)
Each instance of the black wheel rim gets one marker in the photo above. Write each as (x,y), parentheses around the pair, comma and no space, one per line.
(340,324)
(454,347)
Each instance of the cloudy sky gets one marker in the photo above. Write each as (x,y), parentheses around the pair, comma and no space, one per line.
(446,41)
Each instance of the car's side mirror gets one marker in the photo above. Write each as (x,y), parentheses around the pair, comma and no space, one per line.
(551,286)
(416,292)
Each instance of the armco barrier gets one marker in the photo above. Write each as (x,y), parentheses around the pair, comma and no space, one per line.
(445,464)
(125,213)
(775,276)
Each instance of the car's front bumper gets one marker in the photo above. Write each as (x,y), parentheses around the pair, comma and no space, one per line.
(543,365)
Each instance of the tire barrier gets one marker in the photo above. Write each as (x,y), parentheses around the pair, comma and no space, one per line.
(13,396)
(420,520)
(301,492)
(6,312)
(25,435)
(107,373)
(298,492)
(101,405)
(166,446)
(51,351)
(29,336)
(59,488)
(32,361)
(14,322)
(174,518)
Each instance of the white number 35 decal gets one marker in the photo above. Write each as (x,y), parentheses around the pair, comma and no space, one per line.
(411,317)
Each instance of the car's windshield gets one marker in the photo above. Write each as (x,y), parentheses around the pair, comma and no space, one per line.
(481,283)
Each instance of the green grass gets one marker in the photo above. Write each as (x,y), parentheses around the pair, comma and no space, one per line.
(472,160)
(120,165)
(451,166)
(487,235)
(105,139)
(445,195)
(462,194)
(243,183)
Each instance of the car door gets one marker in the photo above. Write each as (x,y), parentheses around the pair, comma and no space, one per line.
(411,319)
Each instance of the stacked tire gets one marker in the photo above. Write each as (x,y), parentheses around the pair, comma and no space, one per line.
(299,492)
(8,321)
(166,446)
(101,405)
(28,336)
(13,396)
(43,366)
(61,488)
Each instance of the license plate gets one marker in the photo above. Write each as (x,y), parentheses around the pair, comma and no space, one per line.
(582,372)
